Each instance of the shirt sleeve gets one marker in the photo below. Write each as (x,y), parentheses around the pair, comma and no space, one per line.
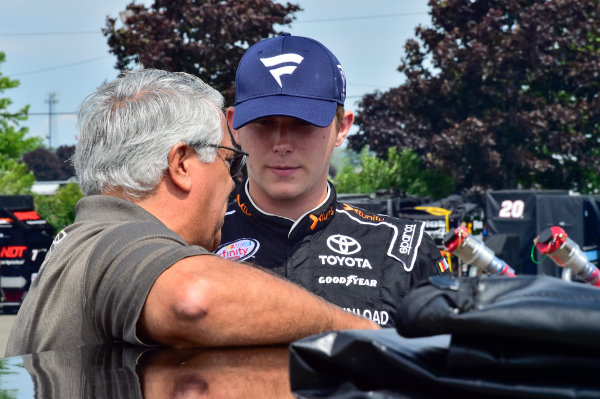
(130,260)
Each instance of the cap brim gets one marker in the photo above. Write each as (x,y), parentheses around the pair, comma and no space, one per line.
(317,112)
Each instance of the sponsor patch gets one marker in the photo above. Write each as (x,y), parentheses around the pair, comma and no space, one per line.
(239,250)
(350,280)
(380,317)
(366,216)
(321,218)
(243,207)
(345,261)
(406,241)
(343,245)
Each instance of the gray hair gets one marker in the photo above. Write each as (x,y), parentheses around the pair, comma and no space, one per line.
(128,126)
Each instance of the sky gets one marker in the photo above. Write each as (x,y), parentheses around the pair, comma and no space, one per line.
(58,53)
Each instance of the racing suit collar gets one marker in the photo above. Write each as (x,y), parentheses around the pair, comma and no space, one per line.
(310,222)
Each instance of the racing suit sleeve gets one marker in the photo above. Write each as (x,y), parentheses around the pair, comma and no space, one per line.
(430,262)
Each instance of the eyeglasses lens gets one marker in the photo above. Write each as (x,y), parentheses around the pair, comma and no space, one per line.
(236,164)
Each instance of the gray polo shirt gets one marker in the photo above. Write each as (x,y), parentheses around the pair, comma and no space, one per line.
(95,279)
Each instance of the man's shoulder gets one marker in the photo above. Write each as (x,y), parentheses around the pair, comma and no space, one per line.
(405,240)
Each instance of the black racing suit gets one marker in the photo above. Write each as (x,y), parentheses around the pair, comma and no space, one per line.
(358,260)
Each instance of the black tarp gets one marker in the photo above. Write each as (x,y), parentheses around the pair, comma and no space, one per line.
(488,337)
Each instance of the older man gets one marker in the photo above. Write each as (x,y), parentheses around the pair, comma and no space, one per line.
(155,163)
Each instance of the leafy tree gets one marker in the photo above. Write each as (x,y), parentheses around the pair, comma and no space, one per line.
(64,153)
(13,143)
(401,172)
(59,209)
(206,38)
(45,165)
(15,178)
(501,93)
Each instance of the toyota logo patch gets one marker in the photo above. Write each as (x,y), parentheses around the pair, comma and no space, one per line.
(343,245)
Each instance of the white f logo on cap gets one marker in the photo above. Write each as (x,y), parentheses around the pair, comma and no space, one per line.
(282,59)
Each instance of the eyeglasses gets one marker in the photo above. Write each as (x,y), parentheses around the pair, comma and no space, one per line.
(236,163)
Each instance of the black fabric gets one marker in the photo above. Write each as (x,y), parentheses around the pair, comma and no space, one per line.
(347,364)
(383,364)
(503,218)
(540,308)
(488,337)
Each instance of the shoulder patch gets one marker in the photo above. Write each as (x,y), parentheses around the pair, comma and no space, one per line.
(363,214)
(238,250)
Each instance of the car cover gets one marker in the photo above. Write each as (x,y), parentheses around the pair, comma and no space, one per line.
(529,337)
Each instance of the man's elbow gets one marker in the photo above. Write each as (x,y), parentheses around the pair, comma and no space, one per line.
(190,307)
(176,320)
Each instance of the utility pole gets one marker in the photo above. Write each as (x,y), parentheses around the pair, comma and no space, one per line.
(51,101)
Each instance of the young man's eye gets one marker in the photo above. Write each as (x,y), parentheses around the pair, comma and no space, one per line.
(302,123)
(263,122)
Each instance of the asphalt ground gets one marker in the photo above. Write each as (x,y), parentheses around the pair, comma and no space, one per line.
(6,322)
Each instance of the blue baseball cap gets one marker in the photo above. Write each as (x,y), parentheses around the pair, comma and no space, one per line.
(288,76)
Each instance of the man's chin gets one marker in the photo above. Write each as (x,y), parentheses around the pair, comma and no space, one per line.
(284,191)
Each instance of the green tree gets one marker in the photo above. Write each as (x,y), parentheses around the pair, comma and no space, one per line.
(399,171)
(59,209)
(45,165)
(500,92)
(15,178)
(206,38)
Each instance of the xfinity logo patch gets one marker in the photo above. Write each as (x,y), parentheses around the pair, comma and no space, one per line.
(343,245)
(283,70)
(238,250)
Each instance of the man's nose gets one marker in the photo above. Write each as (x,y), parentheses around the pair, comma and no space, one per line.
(282,138)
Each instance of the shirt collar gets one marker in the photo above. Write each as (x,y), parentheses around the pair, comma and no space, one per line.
(312,221)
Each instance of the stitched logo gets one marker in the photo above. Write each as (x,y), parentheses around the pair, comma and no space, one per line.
(282,70)
(239,250)
(343,245)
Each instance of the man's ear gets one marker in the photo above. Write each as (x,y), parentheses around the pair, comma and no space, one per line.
(180,157)
(234,133)
(345,125)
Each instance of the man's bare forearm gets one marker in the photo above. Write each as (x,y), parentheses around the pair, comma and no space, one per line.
(209,301)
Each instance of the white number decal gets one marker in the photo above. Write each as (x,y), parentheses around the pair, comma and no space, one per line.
(512,209)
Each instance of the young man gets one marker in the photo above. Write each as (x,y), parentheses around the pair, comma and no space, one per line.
(289,115)
(155,163)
